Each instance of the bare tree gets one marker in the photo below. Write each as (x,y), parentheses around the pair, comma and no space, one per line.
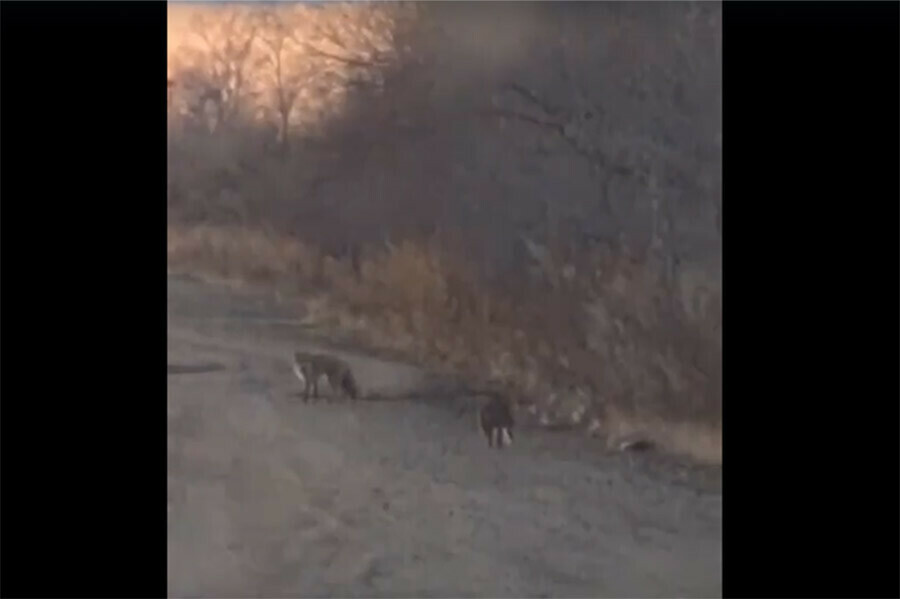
(352,44)
(644,112)
(283,74)
(356,34)
(227,46)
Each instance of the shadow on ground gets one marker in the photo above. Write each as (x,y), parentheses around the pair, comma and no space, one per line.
(271,497)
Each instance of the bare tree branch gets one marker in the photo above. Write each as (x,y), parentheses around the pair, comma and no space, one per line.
(345,59)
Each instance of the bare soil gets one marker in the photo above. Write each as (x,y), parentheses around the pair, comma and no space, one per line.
(271,497)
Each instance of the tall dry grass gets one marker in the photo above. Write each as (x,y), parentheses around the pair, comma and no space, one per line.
(524,193)
(617,366)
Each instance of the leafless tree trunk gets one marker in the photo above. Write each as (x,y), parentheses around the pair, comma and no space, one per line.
(228,43)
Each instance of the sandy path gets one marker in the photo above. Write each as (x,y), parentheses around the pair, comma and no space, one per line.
(269,497)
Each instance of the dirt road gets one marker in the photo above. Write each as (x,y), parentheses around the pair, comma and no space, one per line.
(268,497)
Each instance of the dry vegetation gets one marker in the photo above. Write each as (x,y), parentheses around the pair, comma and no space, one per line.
(529,193)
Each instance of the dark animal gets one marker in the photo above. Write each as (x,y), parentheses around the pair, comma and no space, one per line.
(496,420)
(310,367)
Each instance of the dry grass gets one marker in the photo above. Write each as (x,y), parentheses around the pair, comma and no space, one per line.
(702,442)
(414,301)
(240,253)
(578,264)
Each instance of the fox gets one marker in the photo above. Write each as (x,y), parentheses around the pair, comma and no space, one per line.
(496,422)
(309,368)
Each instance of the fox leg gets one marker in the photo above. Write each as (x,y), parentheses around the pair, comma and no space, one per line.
(298,372)
(334,387)
(306,385)
(348,385)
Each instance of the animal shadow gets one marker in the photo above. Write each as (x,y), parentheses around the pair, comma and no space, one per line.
(193,368)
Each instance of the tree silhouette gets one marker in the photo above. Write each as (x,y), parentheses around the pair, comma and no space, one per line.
(282,72)
(228,40)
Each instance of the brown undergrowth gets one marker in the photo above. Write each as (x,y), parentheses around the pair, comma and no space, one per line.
(602,346)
